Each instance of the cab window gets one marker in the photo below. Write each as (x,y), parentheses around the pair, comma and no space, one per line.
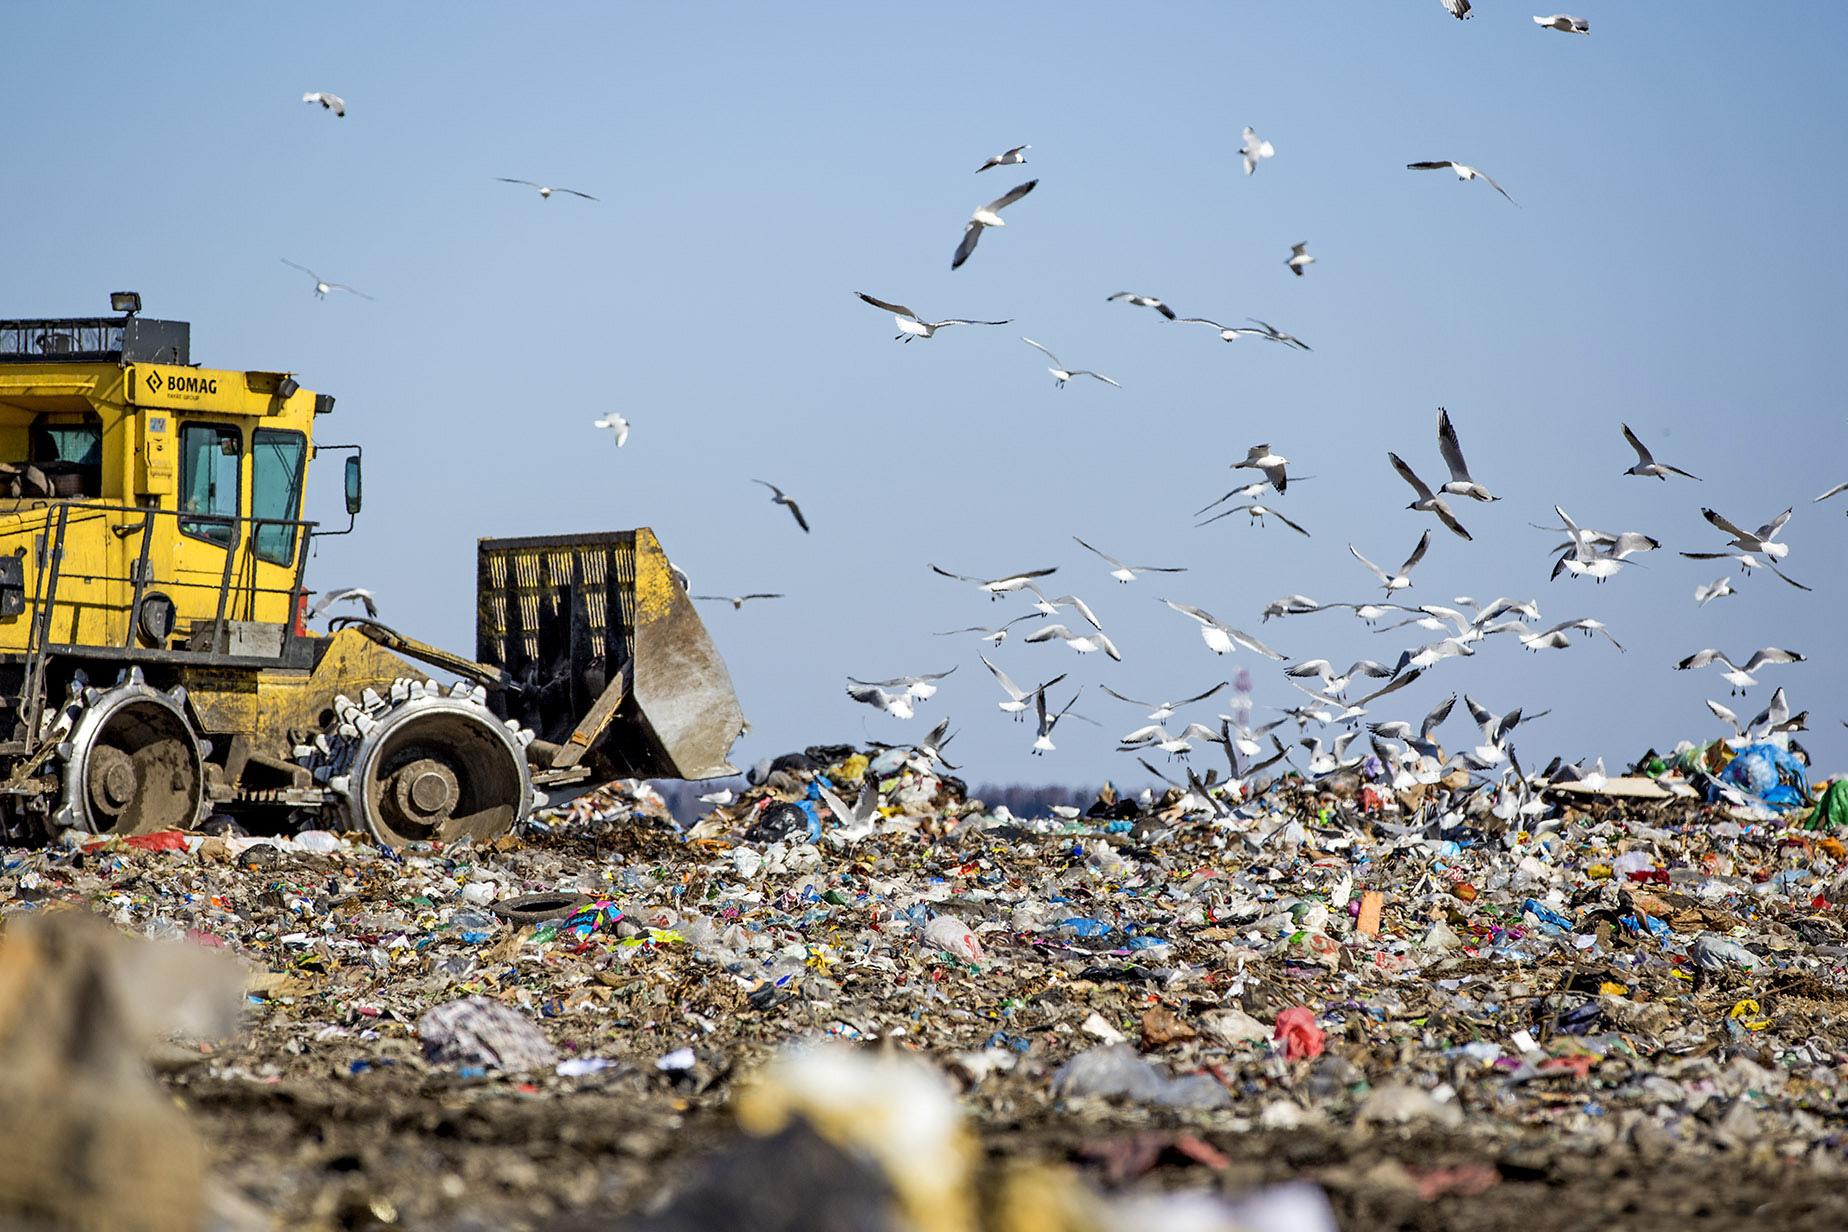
(67,453)
(209,456)
(276,490)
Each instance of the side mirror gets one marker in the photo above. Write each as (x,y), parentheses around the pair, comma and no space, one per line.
(353,486)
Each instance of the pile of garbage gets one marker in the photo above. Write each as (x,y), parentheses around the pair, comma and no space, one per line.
(1220,986)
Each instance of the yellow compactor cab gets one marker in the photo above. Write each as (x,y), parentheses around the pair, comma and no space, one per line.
(154,665)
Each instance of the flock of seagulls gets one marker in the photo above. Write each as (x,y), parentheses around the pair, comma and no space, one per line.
(1344,732)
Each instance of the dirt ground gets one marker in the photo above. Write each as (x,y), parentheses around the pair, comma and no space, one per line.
(431,1152)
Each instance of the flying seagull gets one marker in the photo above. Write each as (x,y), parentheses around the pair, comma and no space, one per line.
(1161,712)
(778,498)
(1403,578)
(1011,158)
(616,425)
(1042,740)
(321,285)
(997,634)
(329,102)
(1840,487)
(996,587)
(737,601)
(1018,699)
(1061,374)
(1255,148)
(1277,335)
(1564,24)
(1258,514)
(1260,458)
(1740,678)
(1299,258)
(1460,483)
(1719,589)
(1646,465)
(1428,501)
(1747,563)
(1227,333)
(1458,9)
(917,688)
(987,216)
(347,594)
(898,705)
(1126,573)
(1762,541)
(1083,643)
(1221,638)
(1464,172)
(545,191)
(910,325)
(1142,301)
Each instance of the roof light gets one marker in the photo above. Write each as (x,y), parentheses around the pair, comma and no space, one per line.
(128,302)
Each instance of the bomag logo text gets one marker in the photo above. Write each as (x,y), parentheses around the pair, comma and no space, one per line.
(192,385)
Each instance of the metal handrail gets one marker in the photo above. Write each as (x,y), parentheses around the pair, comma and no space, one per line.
(241,540)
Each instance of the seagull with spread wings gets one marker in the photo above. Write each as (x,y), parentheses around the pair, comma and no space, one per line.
(1254,150)
(910,325)
(737,601)
(1646,465)
(1007,158)
(545,191)
(777,497)
(1402,579)
(987,216)
(1018,699)
(1460,483)
(321,285)
(1062,374)
(1126,573)
(1221,638)
(1464,171)
(1428,501)
(1142,301)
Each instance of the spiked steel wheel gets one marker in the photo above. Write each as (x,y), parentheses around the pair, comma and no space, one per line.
(132,764)
(425,764)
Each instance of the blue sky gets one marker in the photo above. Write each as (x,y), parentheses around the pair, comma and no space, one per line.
(1676,262)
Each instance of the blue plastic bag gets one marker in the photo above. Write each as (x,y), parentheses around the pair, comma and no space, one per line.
(1770,773)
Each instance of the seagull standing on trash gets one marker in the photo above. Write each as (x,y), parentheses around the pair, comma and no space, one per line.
(987,216)
(1254,150)
(777,497)
(910,325)
(1646,465)
(616,425)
